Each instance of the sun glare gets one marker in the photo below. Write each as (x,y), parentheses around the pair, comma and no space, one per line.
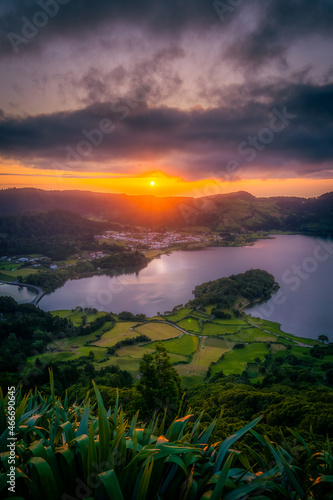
(152,183)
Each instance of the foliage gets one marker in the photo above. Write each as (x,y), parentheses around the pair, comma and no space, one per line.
(56,234)
(128,316)
(134,340)
(26,330)
(69,451)
(159,386)
(252,285)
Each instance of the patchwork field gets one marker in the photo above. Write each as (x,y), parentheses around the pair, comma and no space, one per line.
(210,351)
(209,347)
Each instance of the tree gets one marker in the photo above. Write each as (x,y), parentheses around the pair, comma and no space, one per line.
(160,386)
(323,338)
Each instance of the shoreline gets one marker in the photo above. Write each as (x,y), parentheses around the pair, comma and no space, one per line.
(39,290)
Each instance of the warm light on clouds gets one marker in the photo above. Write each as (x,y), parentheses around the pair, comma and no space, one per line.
(163,185)
(108,96)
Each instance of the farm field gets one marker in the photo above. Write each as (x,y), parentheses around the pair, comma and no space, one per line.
(190,324)
(184,345)
(72,354)
(158,331)
(276,348)
(192,354)
(121,331)
(235,361)
(129,358)
(25,271)
(137,351)
(209,351)
(251,335)
(218,329)
(7,277)
(76,316)
(178,315)
(233,321)
(276,328)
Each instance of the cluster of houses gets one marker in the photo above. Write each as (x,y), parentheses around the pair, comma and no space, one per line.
(20,260)
(96,255)
(153,240)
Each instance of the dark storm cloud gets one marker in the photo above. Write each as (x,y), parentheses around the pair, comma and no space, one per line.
(281,22)
(207,138)
(278,22)
(74,18)
(155,72)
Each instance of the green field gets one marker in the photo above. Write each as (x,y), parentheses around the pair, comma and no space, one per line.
(235,361)
(252,334)
(276,328)
(218,329)
(7,277)
(129,357)
(190,324)
(25,271)
(125,363)
(184,345)
(233,321)
(72,353)
(137,351)
(210,351)
(76,316)
(178,315)
(8,267)
(121,331)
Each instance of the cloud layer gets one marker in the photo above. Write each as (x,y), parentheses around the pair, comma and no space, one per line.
(188,87)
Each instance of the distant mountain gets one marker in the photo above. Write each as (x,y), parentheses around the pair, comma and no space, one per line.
(240,211)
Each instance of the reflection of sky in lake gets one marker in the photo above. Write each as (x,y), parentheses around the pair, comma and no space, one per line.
(20,294)
(169,281)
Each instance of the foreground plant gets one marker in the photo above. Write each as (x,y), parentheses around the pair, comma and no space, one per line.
(82,451)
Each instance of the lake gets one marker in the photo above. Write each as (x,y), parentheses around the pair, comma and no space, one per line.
(22,295)
(303,266)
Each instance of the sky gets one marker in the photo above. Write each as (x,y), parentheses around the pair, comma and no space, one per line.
(177,97)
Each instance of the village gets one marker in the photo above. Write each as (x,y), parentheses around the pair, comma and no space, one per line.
(154,240)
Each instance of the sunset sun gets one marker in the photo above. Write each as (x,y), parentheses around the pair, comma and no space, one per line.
(152,183)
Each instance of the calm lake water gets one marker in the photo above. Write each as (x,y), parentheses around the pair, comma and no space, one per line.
(304,305)
(21,295)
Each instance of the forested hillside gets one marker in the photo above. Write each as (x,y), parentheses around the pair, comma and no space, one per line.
(232,212)
(56,234)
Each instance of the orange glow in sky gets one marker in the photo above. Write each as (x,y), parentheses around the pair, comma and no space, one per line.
(162,184)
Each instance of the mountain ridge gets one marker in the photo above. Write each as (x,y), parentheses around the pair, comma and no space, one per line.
(236,211)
